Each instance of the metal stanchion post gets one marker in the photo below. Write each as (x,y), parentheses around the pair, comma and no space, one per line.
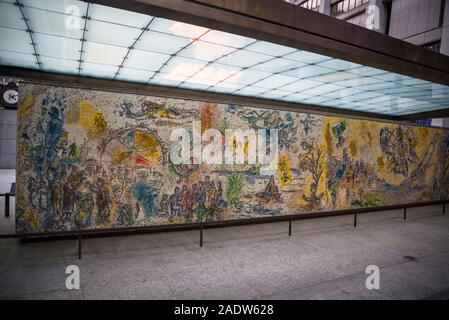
(405,213)
(201,235)
(79,246)
(290,227)
(355,219)
(6,205)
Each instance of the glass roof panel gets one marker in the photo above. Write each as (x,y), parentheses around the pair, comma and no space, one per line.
(243,58)
(54,23)
(68,48)
(274,94)
(316,100)
(394,77)
(110,33)
(301,85)
(226,87)
(322,89)
(412,82)
(358,82)
(128,74)
(178,28)
(214,73)
(336,76)
(421,94)
(366,71)
(252,90)
(71,7)
(127,18)
(248,76)
(338,64)
(297,97)
(128,46)
(205,51)
(364,96)
(397,90)
(95,69)
(227,39)
(193,86)
(377,86)
(378,99)
(393,101)
(15,40)
(180,69)
(11,17)
(306,57)
(103,53)
(354,105)
(59,65)
(420,109)
(309,71)
(434,88)
(275,81)
(346,93)
(165,79)
(161,42)
(8,58)
(278,65)
(272,49)
(145,60)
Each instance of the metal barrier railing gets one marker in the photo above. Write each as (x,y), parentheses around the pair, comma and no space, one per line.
(8,195)
(90,233)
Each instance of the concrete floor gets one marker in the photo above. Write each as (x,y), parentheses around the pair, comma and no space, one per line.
(324,259)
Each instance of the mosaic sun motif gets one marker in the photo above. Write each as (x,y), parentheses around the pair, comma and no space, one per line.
(91,159)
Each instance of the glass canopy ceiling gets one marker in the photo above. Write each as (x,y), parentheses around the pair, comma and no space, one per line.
(55,36)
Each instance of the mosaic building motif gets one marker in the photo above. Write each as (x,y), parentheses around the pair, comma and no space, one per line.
(92,159)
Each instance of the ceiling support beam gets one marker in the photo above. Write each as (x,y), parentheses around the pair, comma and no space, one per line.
(83,39)
(144,29)
(30,32)
(286,24)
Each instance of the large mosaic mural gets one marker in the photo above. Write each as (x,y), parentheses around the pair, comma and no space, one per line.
(92,159)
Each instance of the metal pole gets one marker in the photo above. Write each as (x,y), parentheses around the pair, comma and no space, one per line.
(290,227)
(405,213)
(201,236)
(444,208)
(6,205)
(355,219)
(79,246)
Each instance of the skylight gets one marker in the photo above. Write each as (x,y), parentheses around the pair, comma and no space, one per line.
(122,45)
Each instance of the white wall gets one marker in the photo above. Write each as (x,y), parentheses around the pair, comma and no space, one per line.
(8,123)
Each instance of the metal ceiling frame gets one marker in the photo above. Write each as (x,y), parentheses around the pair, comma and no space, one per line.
(89,83)
(120,67)
(30,33)
(286,24)
(83,39)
